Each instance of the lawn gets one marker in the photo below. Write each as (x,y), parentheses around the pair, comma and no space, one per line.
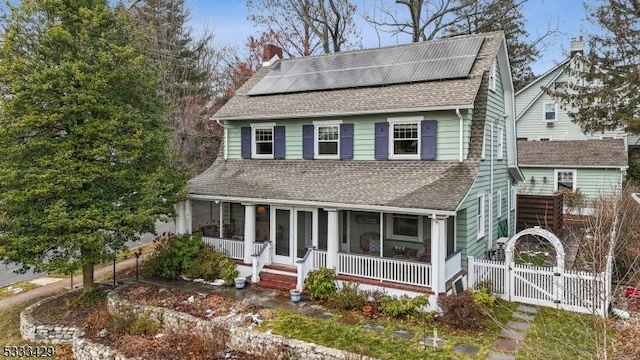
(10,334)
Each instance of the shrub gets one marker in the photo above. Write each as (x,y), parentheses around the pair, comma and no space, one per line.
(402,306)
(321,283)
(143,325)
(483,297)
(461,311)
(172,256)
(349,297)
(211,264)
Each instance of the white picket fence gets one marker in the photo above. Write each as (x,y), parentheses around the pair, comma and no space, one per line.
(571,290)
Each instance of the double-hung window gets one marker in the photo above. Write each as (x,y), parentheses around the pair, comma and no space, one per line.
(550,112)
(327,139)
(404,139)
(262,141)
(480,215)
(565,180)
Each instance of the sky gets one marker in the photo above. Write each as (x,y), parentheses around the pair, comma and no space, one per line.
(567,18)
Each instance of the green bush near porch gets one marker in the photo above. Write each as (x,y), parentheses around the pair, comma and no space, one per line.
(321,283)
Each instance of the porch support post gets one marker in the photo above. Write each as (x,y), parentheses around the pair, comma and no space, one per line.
(188,218)
(332,238)
(249,231)
(180,217)
(438,253)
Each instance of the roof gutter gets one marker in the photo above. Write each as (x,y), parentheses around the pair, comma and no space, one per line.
(461,133)
(339,206)
(345,113)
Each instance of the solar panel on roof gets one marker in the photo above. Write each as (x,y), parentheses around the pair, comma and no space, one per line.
(447,59)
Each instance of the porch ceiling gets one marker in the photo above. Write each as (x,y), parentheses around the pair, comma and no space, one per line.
(406,184)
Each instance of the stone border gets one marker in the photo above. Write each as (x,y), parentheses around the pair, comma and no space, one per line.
(48,334)
(238,338)
(84,349)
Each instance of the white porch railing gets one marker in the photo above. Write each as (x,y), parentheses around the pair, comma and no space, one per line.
(259,260)
(399,271)
(453,265)
(232,248)
(303,266)
(319,259)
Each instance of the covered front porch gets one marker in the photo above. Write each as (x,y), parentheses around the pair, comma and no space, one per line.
(398,246)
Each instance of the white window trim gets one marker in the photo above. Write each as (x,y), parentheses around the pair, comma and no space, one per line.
(392,236)
(405,120)
(499,210)
(555,178)
(481,216)
(500,142)
(544,111)
(492,76)
(316,125)
(255,127)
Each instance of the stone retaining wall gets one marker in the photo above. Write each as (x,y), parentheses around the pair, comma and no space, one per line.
(238,338)
(84,349)
(48,334)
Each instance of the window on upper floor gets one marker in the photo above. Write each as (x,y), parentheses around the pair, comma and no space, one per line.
(262,144)
(500,143)
(565,180)
(406,138)
(549,111)
(327,140)
(492,77)
(480,216)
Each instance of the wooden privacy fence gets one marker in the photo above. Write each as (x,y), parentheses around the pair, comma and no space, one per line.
(540,210)
(570,290)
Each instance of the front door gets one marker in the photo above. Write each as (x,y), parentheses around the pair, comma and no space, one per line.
(293,232)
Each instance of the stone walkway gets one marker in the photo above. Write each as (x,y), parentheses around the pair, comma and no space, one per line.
(513,334)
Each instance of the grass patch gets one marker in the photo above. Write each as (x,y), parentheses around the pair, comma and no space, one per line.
(559,334)
(355,338)
(16,288)
(10,334)
(536,258)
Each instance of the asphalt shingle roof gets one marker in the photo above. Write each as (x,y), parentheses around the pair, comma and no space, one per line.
(576,153)
(408,184)
(365,100)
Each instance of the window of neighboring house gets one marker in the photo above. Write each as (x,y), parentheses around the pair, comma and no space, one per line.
(499,206)
(327,144)
(404,139)
(403,227)
(480,217)
(492,77)
(550,112)
(262,142)
(500,142)
(565,179)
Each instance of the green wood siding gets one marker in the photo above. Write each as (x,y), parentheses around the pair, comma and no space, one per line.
(448,136)
(592,183)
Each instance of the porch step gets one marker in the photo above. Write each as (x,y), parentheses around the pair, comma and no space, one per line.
(277,281)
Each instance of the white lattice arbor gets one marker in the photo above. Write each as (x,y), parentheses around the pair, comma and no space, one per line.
(536,231)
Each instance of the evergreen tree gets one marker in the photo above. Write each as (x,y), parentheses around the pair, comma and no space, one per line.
(85,163)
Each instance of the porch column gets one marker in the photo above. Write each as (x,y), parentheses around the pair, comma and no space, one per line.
(180,217)
(188,217)
(438,252)
(332,238)
(249,231)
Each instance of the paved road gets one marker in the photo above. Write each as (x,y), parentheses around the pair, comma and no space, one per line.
(8,276)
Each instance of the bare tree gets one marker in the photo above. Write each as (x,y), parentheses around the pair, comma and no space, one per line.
(306,27)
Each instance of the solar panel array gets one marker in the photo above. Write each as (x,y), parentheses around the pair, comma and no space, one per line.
(448,59)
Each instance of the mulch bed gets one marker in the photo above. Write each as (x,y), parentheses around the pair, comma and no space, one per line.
(200,305)
(68,309)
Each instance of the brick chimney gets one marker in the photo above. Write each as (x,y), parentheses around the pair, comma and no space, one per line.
(577,46)
(270,51)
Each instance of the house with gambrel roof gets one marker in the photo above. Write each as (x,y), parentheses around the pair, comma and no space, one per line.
(391,165)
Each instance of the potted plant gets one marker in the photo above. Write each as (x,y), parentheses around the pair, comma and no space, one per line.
(240,282)
(296,295)
(367,310)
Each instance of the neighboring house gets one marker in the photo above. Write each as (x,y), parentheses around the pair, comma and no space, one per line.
(555,154)
(391,165)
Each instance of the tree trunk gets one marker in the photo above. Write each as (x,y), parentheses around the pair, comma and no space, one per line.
(88,284)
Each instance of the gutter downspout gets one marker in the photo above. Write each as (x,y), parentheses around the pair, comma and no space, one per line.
(226,149)
(461,133)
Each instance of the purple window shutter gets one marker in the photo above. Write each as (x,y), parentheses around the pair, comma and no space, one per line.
(346,141)
(428,134)
(382,141)
(278,142)
(307,141)
(245,142)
